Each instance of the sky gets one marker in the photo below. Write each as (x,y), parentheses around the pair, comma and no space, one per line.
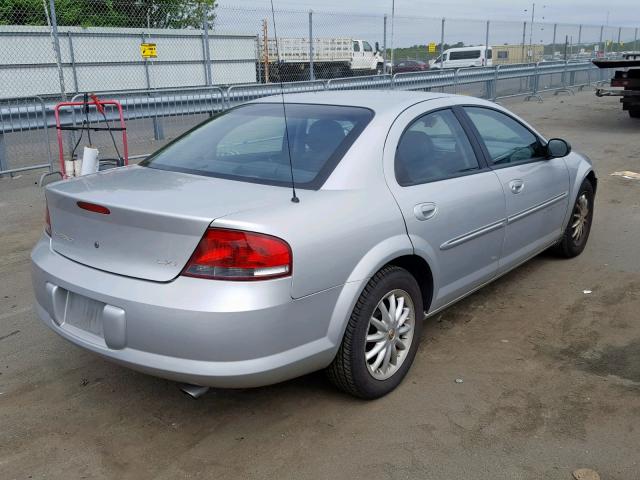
(418,22)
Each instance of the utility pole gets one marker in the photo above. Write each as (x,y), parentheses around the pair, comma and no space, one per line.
(56,47)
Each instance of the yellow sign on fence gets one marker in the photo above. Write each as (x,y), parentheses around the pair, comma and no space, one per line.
(432,47)
(148,50)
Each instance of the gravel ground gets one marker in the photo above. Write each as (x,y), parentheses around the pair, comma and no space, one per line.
(551,375)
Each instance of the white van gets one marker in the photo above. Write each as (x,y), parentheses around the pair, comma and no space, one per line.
(479,56)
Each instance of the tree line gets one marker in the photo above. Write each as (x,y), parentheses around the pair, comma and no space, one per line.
(110,13)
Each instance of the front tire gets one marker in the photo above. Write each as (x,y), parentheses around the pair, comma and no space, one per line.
(382,336)
(577,232)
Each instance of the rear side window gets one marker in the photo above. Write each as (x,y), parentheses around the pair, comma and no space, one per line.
(249,143)
(434,147)
(507,140)
(464,55)
(356,47)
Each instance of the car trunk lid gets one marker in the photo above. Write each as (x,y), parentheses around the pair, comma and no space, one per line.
(155,218)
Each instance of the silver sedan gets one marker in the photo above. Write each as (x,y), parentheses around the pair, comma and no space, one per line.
(203,265)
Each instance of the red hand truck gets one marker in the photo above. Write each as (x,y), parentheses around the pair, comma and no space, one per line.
(99,106)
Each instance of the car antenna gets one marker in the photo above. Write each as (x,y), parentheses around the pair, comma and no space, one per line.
(294,198)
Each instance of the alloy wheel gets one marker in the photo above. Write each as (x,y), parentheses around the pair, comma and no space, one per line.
(390,334)
(580,218)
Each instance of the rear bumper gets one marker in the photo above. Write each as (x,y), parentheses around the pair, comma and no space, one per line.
(212,333)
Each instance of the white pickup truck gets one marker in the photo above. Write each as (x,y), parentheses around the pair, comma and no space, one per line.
(332,58)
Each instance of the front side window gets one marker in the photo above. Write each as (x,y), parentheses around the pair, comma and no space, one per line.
(489,54)
(250,143)
(434,147)
(506,139)
(367,47)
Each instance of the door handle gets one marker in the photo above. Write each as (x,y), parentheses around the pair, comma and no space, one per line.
(516,186)
(424,211)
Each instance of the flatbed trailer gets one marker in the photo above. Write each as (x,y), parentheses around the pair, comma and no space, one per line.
(625,82)
(291,58)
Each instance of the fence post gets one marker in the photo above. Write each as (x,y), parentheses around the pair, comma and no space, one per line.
(393,16)
(158,131)
(619,35)
(312,75)
(604,48)
(524,39)
(384,44)
(486,40)
(555,30)
(455,80)
(3,155)
(207,53)
(486,56)
(579,36)
(535,85)
(635,40)
(146,64)
(72,57)
(441,43)
(56,47)
(495,83)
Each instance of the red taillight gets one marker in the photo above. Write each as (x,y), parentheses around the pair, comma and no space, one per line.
(236,255)
(47,221)
(92,207)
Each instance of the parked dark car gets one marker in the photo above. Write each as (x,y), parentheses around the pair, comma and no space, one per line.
(410,66)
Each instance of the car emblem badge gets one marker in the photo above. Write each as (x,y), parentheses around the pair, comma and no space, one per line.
(166,263)
(62,236)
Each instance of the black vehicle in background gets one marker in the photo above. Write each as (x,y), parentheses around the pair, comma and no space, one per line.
(625,82)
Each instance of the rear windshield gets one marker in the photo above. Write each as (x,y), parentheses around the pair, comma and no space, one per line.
(249,143)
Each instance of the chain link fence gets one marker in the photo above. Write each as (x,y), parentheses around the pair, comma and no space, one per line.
(95,46)
(174,63)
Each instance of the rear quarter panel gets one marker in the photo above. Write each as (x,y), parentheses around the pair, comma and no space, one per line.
(343,232)
(335,236)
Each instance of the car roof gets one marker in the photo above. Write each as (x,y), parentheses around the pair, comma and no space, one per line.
(380,101)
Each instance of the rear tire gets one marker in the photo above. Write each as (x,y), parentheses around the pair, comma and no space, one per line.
(575,236)
(381,331)
(635,113)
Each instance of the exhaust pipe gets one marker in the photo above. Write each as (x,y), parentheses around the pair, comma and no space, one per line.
(194,391)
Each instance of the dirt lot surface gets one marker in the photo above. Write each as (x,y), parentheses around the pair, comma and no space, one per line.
(551,375)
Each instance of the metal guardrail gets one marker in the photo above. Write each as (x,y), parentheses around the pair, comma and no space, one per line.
(370,82)
(424,80)
(238,94)
(159,105)
(19,116)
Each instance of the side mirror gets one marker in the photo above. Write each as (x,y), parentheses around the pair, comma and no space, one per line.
(377,47)
(558,148)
